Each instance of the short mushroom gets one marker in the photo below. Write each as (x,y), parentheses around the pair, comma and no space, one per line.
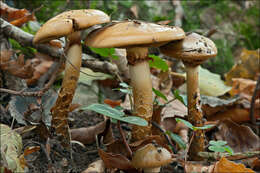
(68,24)
(193,51)
(151,158)
(136,37)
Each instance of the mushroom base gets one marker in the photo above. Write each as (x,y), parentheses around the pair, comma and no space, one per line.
(61,108)
(194,111)
(143,99)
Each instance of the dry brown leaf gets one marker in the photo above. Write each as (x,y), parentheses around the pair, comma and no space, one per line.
(16,16)
(112,103)
(239,137)
(18,67)
(87,135)
(224,165)
(41,63)
(240,85)
(247,67)
(115,160)
(255,165)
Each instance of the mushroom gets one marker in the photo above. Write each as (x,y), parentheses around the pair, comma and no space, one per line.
(193,51)
(68,24)
(136,37)
(151,158)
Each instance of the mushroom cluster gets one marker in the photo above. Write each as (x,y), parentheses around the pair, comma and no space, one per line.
(136,37)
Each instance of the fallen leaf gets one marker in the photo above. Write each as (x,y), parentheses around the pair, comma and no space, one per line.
(240,85)
(247,67)
(115,160)
(16,16)
(11,149)
(19,67)
(240,138)
(87,135)
(224,165)
(112,103)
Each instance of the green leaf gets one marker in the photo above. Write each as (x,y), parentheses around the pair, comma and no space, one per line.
(105,110)
(203,127)
(219,142)
(215,148)
(124,85)
(116,114)
(177,139)
(187,123)
(159,94)
(180,97)
(105,52)
(127,91)
(229,149)
(134,120)
(158,63)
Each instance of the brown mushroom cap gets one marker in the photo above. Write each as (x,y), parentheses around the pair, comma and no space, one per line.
(194,48)
(133,33)
(150,157)
(69,22)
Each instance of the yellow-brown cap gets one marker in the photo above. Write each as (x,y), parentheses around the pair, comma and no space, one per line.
(193,49)
(150,156)
(133,33)
(68,22)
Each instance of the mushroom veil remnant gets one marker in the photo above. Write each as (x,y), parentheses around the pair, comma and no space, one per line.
(136,37)
(193,51)
(68,24)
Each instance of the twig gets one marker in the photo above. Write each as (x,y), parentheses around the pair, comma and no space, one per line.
(130,153)
(166,137)
(25,39)
(179,12)
(234,156)
(188,148)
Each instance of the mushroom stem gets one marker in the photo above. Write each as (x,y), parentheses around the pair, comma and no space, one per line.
(69,84)
(142,89)
(194,111)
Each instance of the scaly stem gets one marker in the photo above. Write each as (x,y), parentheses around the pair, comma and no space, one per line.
(194,111)
(142,89)
(61,108)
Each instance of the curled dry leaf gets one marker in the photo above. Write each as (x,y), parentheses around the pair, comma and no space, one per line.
(97,166)
(239,137)
(18,67)
(41,63)
(115,160)
(224,165)
(17,17)
(87,135)
(246,66)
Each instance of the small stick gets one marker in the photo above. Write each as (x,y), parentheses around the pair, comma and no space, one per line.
(188,148)
(234,156)
(166,137)
(124,139)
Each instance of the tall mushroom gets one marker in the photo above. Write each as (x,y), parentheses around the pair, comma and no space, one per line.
(68,24)
(136,37)
(193,51)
